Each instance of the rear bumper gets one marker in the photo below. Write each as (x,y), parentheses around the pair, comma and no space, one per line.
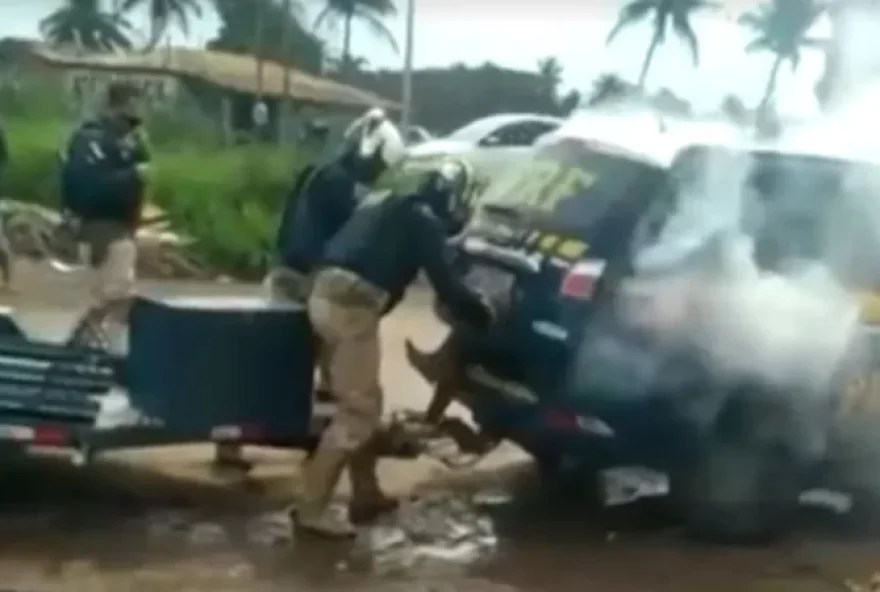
(558,425)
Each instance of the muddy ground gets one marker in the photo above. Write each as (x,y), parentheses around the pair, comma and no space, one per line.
(157,519)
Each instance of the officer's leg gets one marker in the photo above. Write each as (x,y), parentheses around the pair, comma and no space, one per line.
(434,366)
(114,259)
(368,501)
(350,336)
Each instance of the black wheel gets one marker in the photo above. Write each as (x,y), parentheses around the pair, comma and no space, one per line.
(736,491)
(568,478)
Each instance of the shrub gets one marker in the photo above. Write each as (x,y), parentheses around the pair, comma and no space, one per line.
(228,201)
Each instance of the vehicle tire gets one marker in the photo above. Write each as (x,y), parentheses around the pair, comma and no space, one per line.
(565,478)
(737,491)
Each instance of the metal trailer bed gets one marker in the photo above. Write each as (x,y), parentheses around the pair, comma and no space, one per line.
(197,370)
(193,369)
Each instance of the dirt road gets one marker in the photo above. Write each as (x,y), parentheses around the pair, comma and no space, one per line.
(156,520)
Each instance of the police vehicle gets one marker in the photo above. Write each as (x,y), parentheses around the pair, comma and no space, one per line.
(587,368)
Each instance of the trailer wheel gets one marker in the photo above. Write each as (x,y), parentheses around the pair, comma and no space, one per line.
(737,492)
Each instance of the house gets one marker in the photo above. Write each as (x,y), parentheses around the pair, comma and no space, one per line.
(227,85)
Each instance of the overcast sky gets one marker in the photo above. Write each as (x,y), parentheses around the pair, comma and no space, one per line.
(518,33)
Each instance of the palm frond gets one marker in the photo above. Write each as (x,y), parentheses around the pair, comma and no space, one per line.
(758,44)
(632,12)
(682,27)
(326,18)
(378,28)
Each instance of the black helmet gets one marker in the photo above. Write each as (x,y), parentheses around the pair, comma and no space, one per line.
(447,189)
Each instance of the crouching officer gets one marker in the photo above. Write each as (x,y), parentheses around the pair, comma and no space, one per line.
(364,273)
(103,177)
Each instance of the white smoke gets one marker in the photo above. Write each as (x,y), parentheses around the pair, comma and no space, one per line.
(784,330)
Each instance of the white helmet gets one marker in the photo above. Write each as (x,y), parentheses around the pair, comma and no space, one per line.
(374,135)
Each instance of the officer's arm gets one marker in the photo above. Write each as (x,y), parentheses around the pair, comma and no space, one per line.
(432,249)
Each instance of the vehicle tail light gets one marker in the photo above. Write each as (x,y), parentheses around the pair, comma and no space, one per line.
(50,435)
(580,281)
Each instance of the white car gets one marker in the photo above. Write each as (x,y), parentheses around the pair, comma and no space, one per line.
(509,130)
(417,135)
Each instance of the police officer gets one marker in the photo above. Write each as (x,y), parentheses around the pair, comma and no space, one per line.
(322,199)
(104,169)
(363,274)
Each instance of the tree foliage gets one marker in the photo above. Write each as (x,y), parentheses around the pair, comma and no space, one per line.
(781,27)
(86,25)
(165,13)
(369,12)
(238,33)
(665,14)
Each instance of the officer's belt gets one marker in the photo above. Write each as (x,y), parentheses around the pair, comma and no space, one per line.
(348,288)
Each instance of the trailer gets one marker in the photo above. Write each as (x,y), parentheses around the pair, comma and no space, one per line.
(226,370)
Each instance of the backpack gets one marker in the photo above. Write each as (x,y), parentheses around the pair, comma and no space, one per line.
(88,172)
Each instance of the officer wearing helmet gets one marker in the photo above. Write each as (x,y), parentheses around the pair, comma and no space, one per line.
(323,199)
(320,202)
(363,274)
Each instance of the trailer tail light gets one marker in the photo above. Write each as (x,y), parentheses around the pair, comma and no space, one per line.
(49,435)
(43,435)
(237,433)
(580,281)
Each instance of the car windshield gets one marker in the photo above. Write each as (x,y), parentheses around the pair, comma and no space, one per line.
(790,207)
(476,130)
(567,181)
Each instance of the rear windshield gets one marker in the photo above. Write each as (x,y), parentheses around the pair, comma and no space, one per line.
(567,182)
(793,207)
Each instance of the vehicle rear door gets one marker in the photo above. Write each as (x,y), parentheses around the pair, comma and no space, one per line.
(545,230)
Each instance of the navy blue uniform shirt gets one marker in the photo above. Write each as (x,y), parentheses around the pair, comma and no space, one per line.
(315,210)
(389,242)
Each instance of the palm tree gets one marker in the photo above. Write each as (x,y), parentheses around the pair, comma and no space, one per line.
(781,27)
(83,24)
(370,12)
(164,13)
(549,76)
(664,13)
(609,88)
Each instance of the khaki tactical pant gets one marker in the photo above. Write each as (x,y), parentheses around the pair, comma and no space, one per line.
(290,286)
(112,256)
(345,312)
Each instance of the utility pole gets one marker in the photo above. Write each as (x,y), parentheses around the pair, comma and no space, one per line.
(284,106)
(406,79)
(259,111)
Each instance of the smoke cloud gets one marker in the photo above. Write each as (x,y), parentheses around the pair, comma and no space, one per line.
(747,278)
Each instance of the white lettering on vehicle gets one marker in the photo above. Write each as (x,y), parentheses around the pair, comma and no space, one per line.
(550,330)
